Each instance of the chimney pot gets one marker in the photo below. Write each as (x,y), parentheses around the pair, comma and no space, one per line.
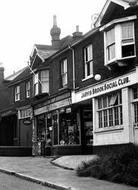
(77,34)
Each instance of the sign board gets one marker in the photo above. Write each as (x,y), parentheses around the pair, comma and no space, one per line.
(105,87)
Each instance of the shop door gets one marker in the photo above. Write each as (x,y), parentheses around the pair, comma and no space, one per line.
(25,134)
(87,130)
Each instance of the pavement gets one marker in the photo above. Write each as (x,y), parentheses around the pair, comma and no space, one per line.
(42,171)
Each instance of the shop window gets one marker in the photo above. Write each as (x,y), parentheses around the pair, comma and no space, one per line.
(55,128)
(88,61)
(119,42)
(41,131)
(135,103)
(17,93)
(64,79)
(110,110)
(69,129)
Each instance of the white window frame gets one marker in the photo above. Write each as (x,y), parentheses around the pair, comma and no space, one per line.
(88,61)
(64,75)
(109,113)
(44,78)
(28,89)
(17,93)
(119,42)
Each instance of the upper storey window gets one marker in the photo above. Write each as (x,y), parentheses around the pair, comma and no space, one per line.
(17,93)
(36,80)
(64,79)
(44,77)
(119,41)
(28,88)
(88,61)
(41,82)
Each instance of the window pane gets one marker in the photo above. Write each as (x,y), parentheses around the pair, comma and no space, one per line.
(105,118)
(44,81)
(136,112)
(127,30)
(135,93)
(64,72)
(100,119)
(110,117)
(111,52)
(110,37)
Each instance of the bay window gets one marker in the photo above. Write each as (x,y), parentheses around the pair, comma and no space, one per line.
(110,110)
(119,42)
(41,82)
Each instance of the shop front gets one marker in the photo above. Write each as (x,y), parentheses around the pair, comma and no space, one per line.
(115,111)
(58,126)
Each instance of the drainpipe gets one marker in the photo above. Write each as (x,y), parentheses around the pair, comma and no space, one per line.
(73,66)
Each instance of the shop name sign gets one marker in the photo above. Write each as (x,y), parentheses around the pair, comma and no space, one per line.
(106,87)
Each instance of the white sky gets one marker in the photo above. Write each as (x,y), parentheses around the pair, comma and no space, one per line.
(24,23)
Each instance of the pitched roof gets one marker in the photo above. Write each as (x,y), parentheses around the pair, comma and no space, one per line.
(124,3)
(23,75)
(14,75)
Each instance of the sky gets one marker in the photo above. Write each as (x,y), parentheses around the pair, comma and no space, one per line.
(24,23)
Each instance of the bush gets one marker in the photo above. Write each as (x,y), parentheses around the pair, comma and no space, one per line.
(120,168)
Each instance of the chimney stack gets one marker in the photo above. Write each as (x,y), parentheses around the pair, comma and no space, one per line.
(77,34)
(55,33)
(1,74)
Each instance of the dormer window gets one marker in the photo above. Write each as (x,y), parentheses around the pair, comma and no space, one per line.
(17,93)
(119,39)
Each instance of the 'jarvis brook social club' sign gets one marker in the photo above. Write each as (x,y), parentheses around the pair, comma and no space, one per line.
(105,87)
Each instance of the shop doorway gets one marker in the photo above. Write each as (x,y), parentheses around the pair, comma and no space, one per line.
(87,129)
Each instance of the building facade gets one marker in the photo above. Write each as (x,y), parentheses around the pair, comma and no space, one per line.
(80,94)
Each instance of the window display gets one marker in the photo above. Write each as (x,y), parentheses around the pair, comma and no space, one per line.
(69,129)
(41,127)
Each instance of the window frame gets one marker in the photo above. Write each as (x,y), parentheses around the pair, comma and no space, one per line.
(110,115)
(135,106)
(28,89)
(17,93)
(64,72)
(36,83)
(44,82)
(118,42)
(88,61)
